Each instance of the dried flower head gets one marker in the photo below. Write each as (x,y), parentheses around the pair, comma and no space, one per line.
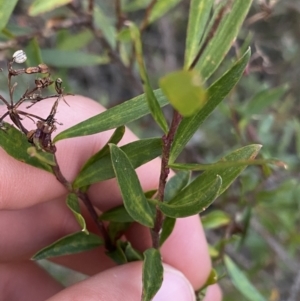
(19,57)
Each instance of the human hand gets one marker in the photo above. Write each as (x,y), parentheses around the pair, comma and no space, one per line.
(33,214)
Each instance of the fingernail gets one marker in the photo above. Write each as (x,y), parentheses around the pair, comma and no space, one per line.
(175,287)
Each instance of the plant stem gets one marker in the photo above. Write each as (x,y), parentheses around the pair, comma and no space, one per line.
(145,21)
(87,202)
(164,173)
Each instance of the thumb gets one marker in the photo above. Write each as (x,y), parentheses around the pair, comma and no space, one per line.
(125,283)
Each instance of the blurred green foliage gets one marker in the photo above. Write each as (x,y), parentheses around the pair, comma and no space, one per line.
(256,222)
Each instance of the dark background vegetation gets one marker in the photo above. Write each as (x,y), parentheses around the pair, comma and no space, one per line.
(262,232)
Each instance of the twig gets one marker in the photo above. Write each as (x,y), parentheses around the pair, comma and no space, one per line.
(119,16)
(87,202)
(164,173)
(145,21)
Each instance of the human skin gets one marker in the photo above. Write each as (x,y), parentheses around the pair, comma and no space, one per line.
(33,214)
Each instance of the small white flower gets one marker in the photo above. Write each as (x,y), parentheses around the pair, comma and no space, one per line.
(19,57)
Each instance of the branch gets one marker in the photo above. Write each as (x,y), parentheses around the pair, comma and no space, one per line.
(164,173)
(145,21)
(87,202)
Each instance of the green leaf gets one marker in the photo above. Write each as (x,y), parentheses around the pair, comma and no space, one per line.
(241,282)
(263,100)
(116,230)
(41,6)
(212,278)
(124,253)
(192,200)
(185,91)
(16,144)
(229,174)
(119,115)
(71,59)
(153,104)
(139,152)
(74,41)
(134,5)
(33,53)
(117,214)
(167,229)
(73,204)
(6,9)
(221,164)
(130,253)
(105,24)
(134,199)
(70,244)
(223,38)
(42,156)
(216,94)
(199,14)
(89,164)
(175,184)
(161,8)
(117,255)
(215,219)
(152,274)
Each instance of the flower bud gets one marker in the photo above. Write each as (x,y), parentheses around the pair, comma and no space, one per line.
(19,57)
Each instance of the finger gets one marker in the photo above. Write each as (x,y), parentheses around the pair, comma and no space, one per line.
(22,185)
(125,283)
(186,248)
(24,232)
(26,281)
(213,293)
(35,186)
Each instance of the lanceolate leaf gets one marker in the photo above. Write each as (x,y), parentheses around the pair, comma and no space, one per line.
(116,230)
(6,9)
(70,244)
(192,200)
(41,6)
(223,38)
(161,8)
(167,229)
(130,253)
(105,24)
(198,17)
(16,144)
(118,214)
(119,115)
(134,199)
(153,104)
(72,58)
(115,139)
(152,274)
(215,219)
(216,94)
(175,184)
(73,204)
(33,53)
(42,156)
(139,152)
(241,282)
(263,100)
(223,164)
(229,174)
